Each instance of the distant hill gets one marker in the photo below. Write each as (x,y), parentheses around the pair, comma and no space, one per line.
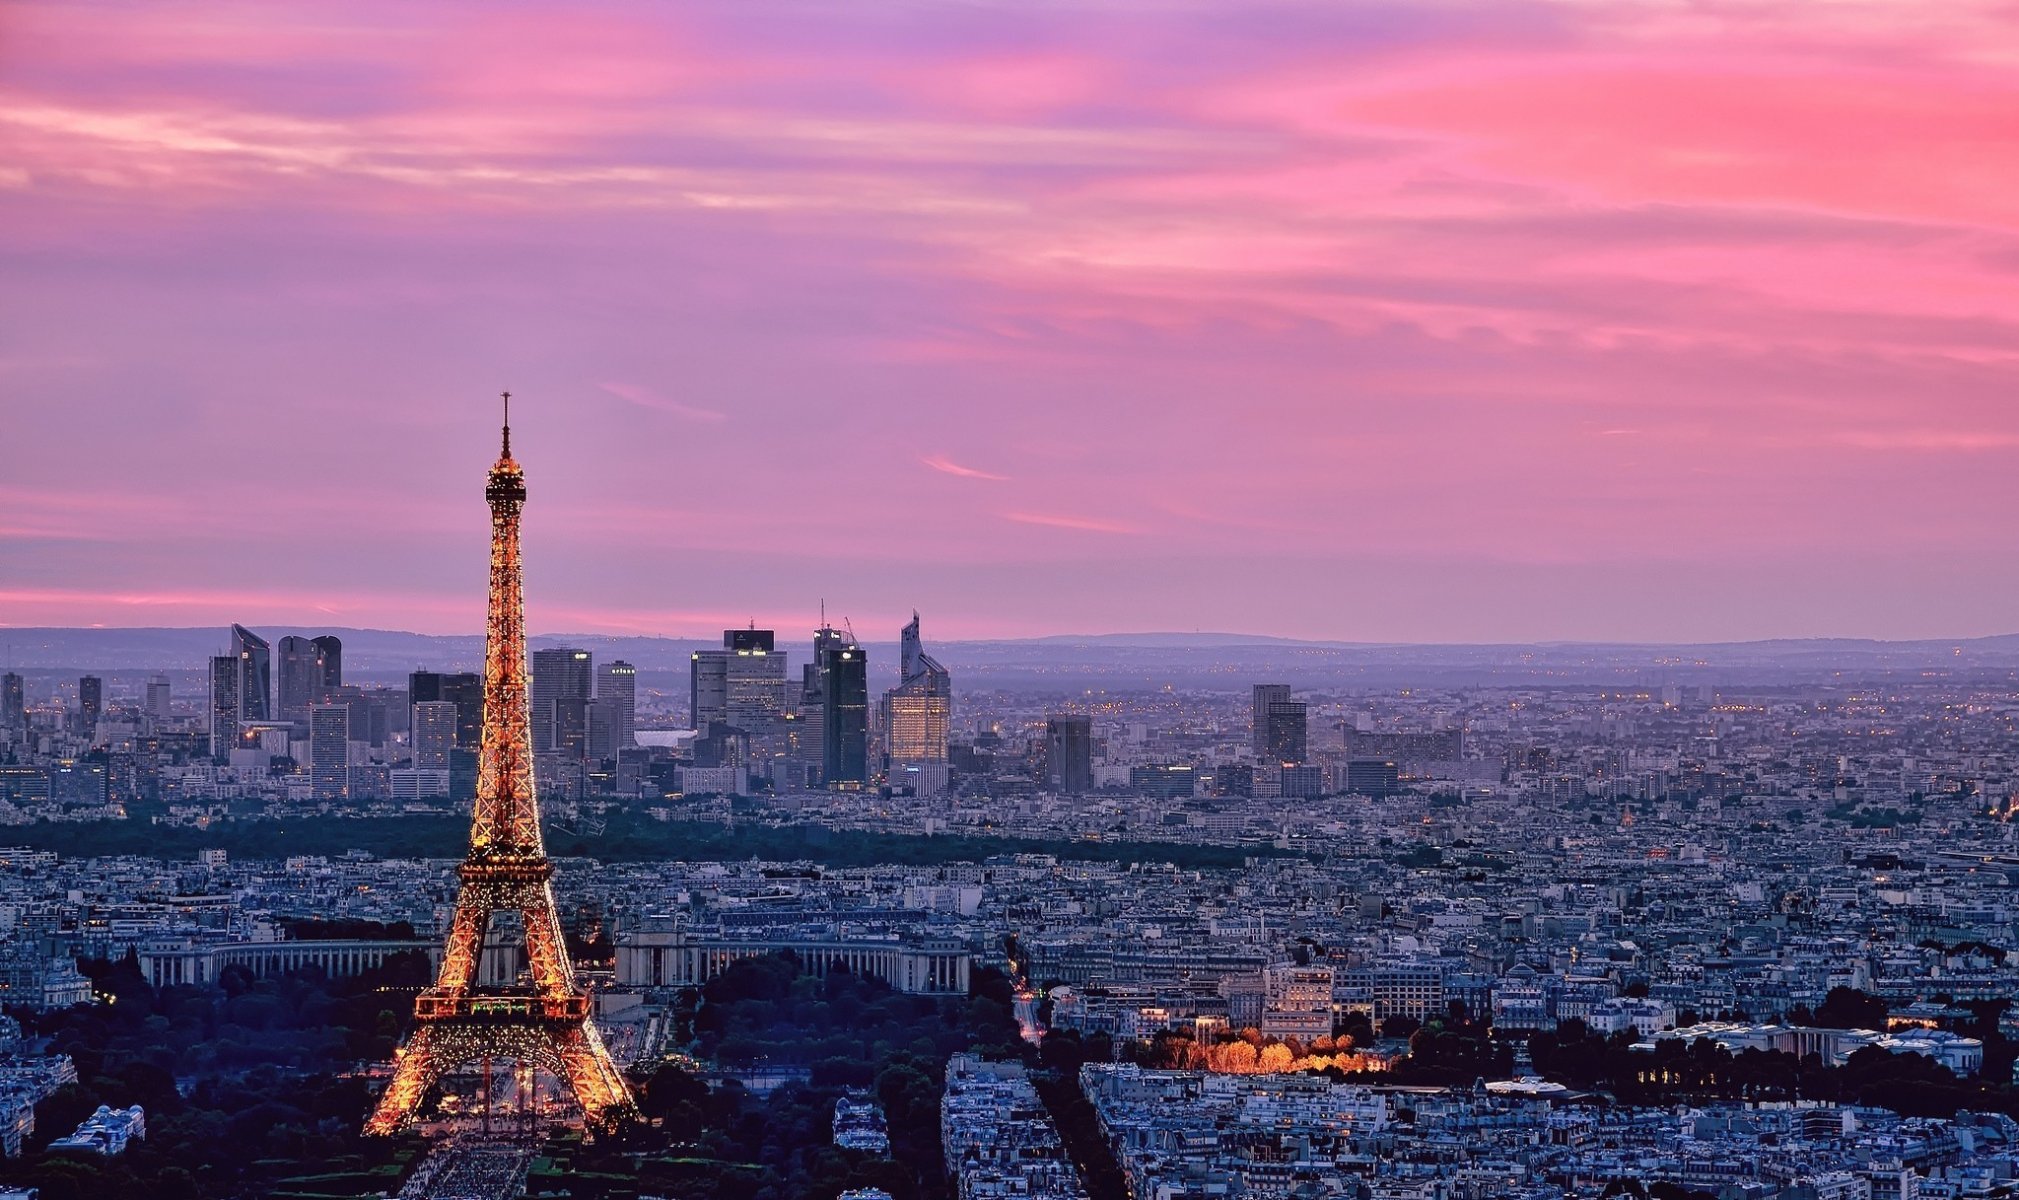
(1072,662)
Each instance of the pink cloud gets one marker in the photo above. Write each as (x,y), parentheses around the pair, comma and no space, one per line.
(1342,281)
(947,466)
(1064,521)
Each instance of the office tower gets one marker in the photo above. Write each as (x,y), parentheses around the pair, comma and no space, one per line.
(844,709)
(462,1020)
(331,649)
(160,708)
(742,684)
(1286,737)
(571,727)
(465,690)
(562,672)
(434,734)
(1265,695)
(617,686)
(90,704)
(329,750)
(13,702)
(602,718)
(300,670)
(811,722)
(918,712)
(223,704)
(310,669)
(255,675)
(1069,753)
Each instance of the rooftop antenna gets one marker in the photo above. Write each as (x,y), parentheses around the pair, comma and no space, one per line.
(508,423)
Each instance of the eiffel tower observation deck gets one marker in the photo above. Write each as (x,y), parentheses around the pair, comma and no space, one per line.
(458,1021)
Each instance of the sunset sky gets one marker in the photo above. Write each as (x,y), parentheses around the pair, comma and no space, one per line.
(1422,321)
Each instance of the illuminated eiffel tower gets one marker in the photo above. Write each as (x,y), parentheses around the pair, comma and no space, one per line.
(459,1021)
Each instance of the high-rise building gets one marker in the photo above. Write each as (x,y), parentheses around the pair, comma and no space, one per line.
(1280,725)
(300,676)
(255,675)
(1069,753)
(465,690)
(329,749)
(844,712)
(562,673)
(617,687)
(434,734)
(241,689)
(223,704)
(1265,695)
(13,702)
(160,706)
(601,718)
(90,704)
(918,712)
(331,648)
(742,684)
(309,669)
(571,728)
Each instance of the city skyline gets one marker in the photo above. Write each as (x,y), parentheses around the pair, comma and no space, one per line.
(1474,322)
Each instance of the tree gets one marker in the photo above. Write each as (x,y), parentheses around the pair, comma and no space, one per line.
(1849,1008)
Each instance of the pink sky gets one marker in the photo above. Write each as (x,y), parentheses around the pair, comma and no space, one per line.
(1422,321)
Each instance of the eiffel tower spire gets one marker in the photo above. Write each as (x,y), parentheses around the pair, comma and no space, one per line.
(460,1020)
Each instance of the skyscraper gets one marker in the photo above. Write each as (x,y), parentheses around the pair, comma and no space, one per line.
(310,669)
(844,712)
(465,690)
(223,704)
(1069,753)
(159,704)
(255,675)
(918,712)
(300,670)
(617,686)
(434,734)
(742,684)
(13,702)
(564,672)
(90,704)
(329,748)
(1280,725)
(331,648)
(1265,695)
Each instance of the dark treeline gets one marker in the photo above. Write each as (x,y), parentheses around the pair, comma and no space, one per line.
(1910,1084)
(849,1032)
(265,1066)
(628,837)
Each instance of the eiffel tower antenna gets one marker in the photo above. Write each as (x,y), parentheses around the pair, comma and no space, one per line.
(508,423)
(461,1021)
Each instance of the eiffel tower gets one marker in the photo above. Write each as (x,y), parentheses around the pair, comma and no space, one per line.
(459,1021)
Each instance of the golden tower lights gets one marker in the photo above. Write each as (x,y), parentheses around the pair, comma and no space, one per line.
(459,1021)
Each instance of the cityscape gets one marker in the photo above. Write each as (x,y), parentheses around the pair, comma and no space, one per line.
(1087,601)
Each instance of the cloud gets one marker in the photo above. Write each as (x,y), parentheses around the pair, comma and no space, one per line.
(646,398)
(1063,521)
(947,466)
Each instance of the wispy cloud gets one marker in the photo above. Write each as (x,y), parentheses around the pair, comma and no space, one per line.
(1960,440)
(1065,521)
(947,466)
(647,398)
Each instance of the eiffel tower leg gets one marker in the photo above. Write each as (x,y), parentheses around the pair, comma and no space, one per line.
(416,1070)
(593,1076)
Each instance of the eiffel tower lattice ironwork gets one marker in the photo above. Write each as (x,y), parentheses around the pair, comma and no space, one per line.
(460,1021)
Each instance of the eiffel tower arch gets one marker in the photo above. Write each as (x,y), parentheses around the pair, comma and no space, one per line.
(459,1021)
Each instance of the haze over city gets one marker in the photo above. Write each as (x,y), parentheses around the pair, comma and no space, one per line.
(1416,322)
